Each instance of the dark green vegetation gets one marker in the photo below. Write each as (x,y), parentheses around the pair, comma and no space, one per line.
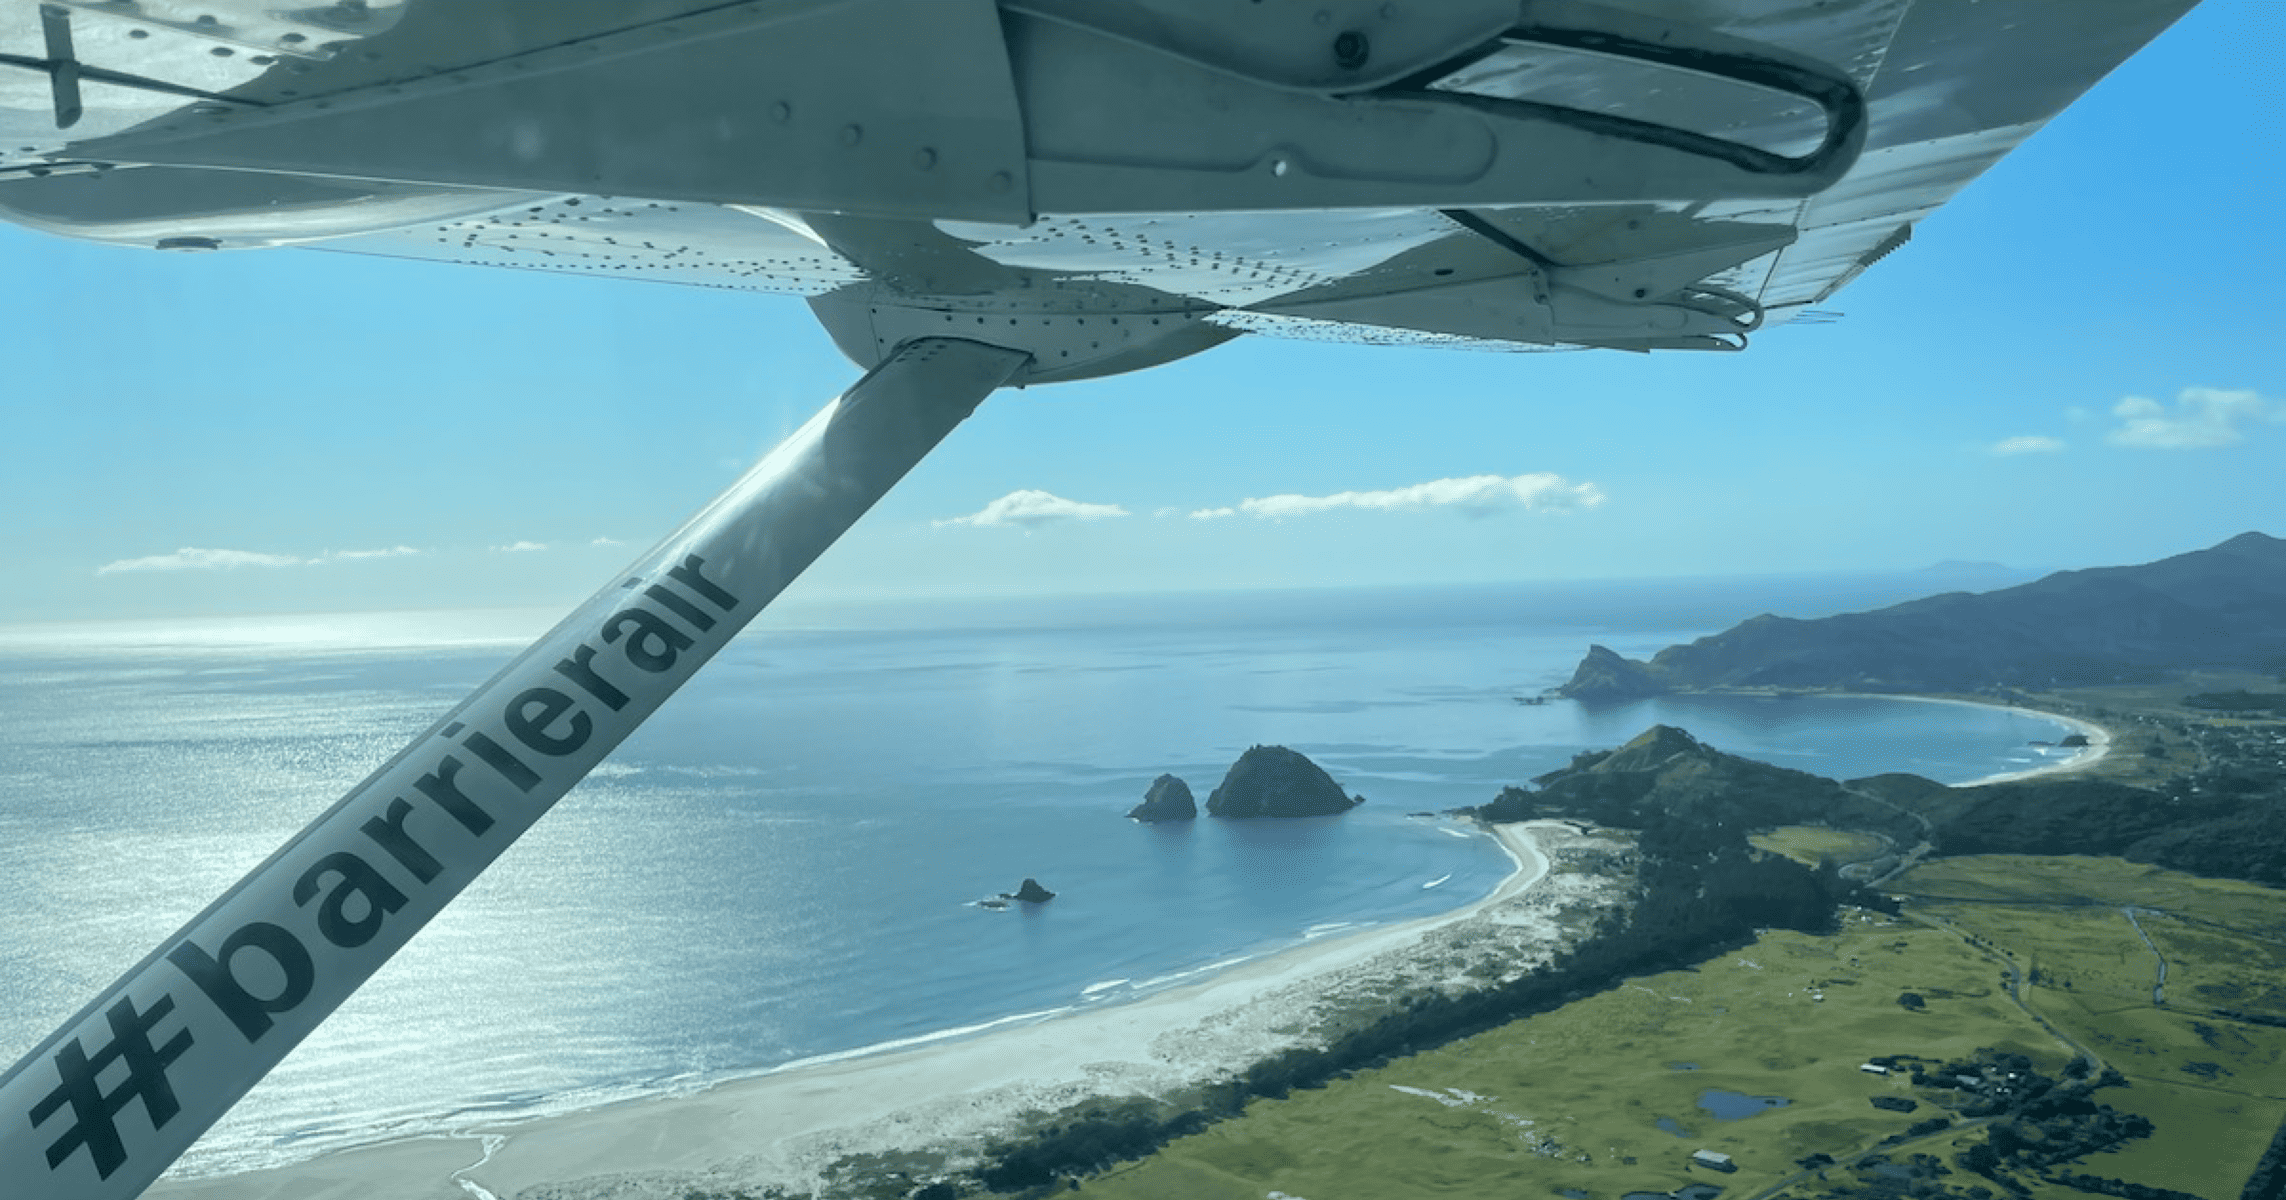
(1272,781)
(2240,701)
(2269,1179)
(1732,959)
(1701,889)
(1169,799)
(1575,1097)
(2076,1083)
(2223,606)
(1676,789)
(2225,817)
(2026,962)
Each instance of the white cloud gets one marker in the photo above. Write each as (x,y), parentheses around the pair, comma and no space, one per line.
(1475,495)
(391,552)
(190,558)
(2201,419)
(1213,514)
(1031,507)
(193,559)
(2028,444)
(521,547)
(604,541)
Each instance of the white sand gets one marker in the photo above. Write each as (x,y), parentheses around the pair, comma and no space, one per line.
(785,1126)
(2099,740)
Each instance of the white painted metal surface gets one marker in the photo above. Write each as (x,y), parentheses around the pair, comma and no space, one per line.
(1070,188)
(1281,168)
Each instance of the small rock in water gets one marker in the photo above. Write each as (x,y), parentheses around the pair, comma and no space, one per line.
(1168,800)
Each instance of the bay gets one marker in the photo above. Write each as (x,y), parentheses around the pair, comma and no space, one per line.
(784,864)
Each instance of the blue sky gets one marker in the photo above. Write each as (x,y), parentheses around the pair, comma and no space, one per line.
(2081,360)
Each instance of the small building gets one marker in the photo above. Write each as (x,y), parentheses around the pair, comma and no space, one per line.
(1713,1160)
(1873,1069)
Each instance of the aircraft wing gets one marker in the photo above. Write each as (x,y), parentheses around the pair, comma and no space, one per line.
(1645,174)
(969,193)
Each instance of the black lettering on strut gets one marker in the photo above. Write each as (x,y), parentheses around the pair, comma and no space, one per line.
(388,832)
(680,607)
(654,644)
(688,575)
(579,669)
(94,1112)
(358,879)
(497,757)
(439,787)
(531,713)
(249,1012)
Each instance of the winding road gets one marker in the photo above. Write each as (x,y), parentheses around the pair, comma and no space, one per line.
(2158,989)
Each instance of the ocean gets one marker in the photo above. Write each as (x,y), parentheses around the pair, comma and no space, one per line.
(784,864)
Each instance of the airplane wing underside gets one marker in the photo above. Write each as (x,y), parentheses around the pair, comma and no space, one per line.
(969,194)
(1637,175)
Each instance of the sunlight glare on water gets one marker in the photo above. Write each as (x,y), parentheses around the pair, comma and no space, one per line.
(783,864)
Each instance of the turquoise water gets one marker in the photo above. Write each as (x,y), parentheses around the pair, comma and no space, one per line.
(784,863)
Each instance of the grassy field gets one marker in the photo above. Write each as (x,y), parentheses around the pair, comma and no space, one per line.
(2211,969)
(1575,1098)
(1814,846)
(2246,908)
(1602,1096)
(2214,1087)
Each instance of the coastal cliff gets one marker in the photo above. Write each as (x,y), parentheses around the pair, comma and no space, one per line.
(2224,606)
(1272,781)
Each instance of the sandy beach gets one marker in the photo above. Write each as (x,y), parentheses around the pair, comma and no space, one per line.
(787,1126)
(784,1127)
(2099,740)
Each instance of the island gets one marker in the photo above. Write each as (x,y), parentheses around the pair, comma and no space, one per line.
(1169,799)
(2063,983)
(1273,781)
(1030,892)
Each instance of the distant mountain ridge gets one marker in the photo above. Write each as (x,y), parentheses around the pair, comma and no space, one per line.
(2224,606)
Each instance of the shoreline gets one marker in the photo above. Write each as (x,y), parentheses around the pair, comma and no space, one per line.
(787,1125)
(953,1089)
(2099,738)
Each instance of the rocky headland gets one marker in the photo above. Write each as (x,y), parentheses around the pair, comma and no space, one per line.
(1168,800)
(1272,781)
(2224,606)
(1666,779)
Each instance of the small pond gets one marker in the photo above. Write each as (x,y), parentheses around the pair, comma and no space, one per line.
(1733,1106)
(1673,1126)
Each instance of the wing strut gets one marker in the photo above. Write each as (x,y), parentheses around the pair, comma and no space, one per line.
(109,1100)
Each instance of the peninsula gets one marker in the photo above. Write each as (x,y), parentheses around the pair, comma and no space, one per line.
(2221,607)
